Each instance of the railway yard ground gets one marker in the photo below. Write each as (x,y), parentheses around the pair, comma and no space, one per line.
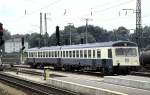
(81,84)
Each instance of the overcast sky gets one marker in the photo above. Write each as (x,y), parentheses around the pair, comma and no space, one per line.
(22,16)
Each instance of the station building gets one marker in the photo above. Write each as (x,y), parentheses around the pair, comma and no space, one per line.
(14,45)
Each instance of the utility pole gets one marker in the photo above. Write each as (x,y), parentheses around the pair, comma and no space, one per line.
(45,17)
(41,29)
(138,32)
(70,35)
(45,39)
(138,23)
(86,29)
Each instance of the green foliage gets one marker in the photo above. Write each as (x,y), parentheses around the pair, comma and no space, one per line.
(94,34)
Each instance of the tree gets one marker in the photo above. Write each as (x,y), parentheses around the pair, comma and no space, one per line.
(121,34)
(7,35)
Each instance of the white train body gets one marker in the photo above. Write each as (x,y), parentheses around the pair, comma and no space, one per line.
(106,57)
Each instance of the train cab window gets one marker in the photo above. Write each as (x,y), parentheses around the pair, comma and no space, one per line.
(85,53)
(109,53)
(93,53)
(81,53)
(98,53)
(70,53)
(89,53)
(74,53)
(77,53)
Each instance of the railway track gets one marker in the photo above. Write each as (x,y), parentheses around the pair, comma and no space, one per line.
(43,89)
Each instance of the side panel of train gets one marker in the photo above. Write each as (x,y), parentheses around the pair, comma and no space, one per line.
(84,59)
(97,58)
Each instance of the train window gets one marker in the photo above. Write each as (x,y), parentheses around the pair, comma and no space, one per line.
(77,53)
(74,53)
(55,53)
(126,52)
(81,53)
(66,53)
(131,52)
(63,53)
(98,53)
(46,54)
(43,54)
(40,54)
(49,53)
(119,52)
(70,53)
(52,53)
(34,54)
(29,54)
(89,53)
(85,53)
(93,53)
(109,53)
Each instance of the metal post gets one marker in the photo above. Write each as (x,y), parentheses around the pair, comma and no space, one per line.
(138,23)
(86,29)
(45,17)
(41,29)
(70,35)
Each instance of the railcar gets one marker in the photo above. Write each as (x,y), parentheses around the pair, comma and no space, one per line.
(106,57)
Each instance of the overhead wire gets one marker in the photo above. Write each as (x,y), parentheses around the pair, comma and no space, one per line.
(38,10)
(114,6)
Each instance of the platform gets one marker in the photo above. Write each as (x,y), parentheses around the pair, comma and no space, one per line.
(130,81)
(87,85)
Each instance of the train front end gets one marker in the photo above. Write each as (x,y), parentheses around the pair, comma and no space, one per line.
(126,57)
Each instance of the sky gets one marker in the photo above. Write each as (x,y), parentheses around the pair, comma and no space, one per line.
(23,16)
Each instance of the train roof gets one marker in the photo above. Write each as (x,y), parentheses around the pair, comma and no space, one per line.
(89,45)
(102,44)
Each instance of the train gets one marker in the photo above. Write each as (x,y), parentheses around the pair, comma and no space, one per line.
(106,57)
(145,58)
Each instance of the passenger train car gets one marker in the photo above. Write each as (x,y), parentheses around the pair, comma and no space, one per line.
(107,57)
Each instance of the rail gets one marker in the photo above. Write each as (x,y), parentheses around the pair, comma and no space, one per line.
(43,89)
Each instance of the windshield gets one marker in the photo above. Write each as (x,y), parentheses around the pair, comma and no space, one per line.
(126,52)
